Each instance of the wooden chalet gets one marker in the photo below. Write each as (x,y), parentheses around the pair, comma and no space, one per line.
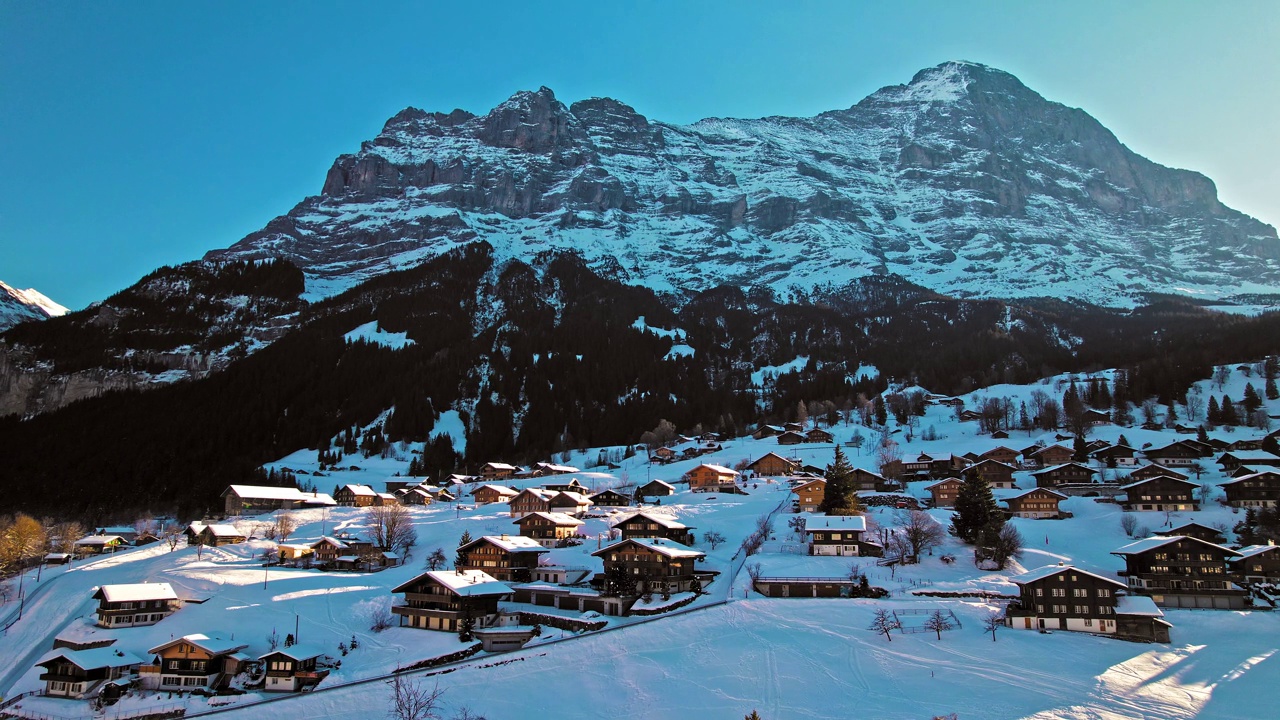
(1256,564)
(1096,417)
(569,503)
(791,437)
(529,500)
(1063,597)
(773,465)
(219,534)
(809,495)
(1066,474)
(356,496)
(997,474)
(839,535)
(657,565)
(572,486)
(416,495)
(134,604)
(765,431)
(292,669)
(1181,571)
(793,427)
(258,499)
(1246,444)
(867,481)
(1252,458)
(1038,503)
(652,525)
(328,550)
(81,674)
(1159,494)
(193,661)
(1153,470)
(548,528)
(664,455)
(444,599)
(1116,456)
(610,498)
(1176,454)
(921,467)
(657,488)
(944,492)
(485,495)
(818,435)
(395,485)
(547,469)
(1048,456)
(508,558)
(969,416)
(1198,531)
(98,544)
(498,471)
(713,478)
(1258,490)
(1002,454)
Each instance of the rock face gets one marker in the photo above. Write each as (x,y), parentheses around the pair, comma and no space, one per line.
(964,181)
(18,306)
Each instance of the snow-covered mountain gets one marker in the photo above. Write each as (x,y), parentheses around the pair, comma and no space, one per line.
(964,181)
(18,306)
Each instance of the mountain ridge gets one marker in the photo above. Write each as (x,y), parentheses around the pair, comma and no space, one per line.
(963,180)
(17,306)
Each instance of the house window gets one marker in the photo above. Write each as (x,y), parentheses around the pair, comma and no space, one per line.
(173,664)
(1104,592)
(1088,622)
(171,680)
(1059,592)
(1039,592)
(198,665)
(191,681)
(1104,610)
(1079,592)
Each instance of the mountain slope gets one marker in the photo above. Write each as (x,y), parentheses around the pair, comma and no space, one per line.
(18,306)
(964,181)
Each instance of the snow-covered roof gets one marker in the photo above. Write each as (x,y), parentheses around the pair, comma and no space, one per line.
(263,492)
(296,652)
(212,644)
(363,490)
(1141,546)
(326,540)
(94,658)
(466,583)
(563,469)
(555,517)
(118,530)
(500,466)
(1041,573)
(663,483)
(496,488)
(1249,551)
(719,469)
(98,540)
(578,498)
(1251,476)
(1024,493)
(667,522)
(387,496)
(669,548)
(856,523)
(1064,465)
(940,482)
(1137,605)
(1153,479)
(511,543)
(136,592)
(318,499)
(223,530)
(1262,457)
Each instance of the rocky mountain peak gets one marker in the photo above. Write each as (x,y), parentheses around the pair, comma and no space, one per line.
(18,306)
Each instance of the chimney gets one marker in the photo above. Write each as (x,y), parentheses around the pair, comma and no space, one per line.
(1061,564)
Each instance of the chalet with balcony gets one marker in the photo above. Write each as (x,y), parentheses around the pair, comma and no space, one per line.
(1197,531)
(356,496)
(1116,456)
(1147,472)
(791,437)
(653,563)
(920,467)
(508,558)
(867,481)
(569,503)
(809,495)
(573,486)
(1259,490)
(1001,454)
(765,431)
(121,606)
(292,669)
(841,535)
(81,674)
(1176,454)
(547,469)
(444,599)
(259,499)
(818,435)
(1048,456)
(610,498)
(548,529)
(713,478)
(1096,417)
(416,495)
(997,474)
(1256,564)
(1252,458)
(1162,494)
(1181,571)
(98,545)
(1066,474)
(486,494)
(193,661)
(944,492)
(329,550)
(1035,504)
(219,534)
(1063,597)
(530,500)
(653,525)
(774,465)
(498,471)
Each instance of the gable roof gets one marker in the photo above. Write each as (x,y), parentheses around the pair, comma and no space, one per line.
(98,540)
(990,461)
(669,548)
(295,652)
(136,592)
(669,523)
(807,483)
(264,492)
(1158,468)
(94,658)
(212,644)
(507,543)
(1251,476)
(1041,573)
(856,523)
(944,481)
(363,490)
(1151,543)
(1249,551)
(663,483)
(772,454)
(1056,468)
(555,517)
(717,469)
(465,583)
(1025,493)
(222,530)
(1155,478)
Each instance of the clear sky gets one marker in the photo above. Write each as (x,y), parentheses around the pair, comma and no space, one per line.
(138,134)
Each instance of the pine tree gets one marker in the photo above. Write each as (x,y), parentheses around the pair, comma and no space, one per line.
(1270,389)
(1201,435)
(1081,450)
(1251,400)
(1214,414)
(881,414)
(975,508)
(841,494)
(1123,441)
(461,559)
(1228,412)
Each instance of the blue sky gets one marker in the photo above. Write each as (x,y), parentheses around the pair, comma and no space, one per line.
(139,134)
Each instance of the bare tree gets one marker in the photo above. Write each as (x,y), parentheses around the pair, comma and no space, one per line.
(713,538)
(889,460)
(920,531)
(754,571)
(993,622)
(273,640)
(1128,523)
(378,613)
(21,537)
(392,528)
(171,534)
(437,559)
(412,700)
(937,622)
(855,572)
(884,624)
(285,524)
